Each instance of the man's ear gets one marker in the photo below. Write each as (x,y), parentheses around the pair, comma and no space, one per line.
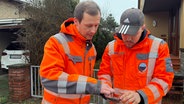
(76,21)
(143,27)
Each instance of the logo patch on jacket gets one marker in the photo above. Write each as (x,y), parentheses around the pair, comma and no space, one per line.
(142,67)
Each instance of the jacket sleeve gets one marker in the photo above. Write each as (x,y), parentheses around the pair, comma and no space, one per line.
(105,72)
(162,78)
(53,77)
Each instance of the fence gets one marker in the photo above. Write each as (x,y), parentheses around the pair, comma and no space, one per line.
(37,89)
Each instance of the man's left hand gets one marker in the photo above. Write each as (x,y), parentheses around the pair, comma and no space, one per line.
(130,97)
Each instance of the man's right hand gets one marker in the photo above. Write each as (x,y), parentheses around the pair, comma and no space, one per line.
(107,90)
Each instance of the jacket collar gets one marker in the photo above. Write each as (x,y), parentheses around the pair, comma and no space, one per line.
(68,27)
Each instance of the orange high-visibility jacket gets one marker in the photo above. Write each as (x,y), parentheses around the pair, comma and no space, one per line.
(145,68)
(67,67)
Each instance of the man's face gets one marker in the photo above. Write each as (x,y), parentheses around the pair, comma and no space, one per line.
(131,40)
(88,26)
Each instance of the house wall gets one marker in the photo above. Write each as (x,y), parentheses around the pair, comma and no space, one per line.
(11,10)
(141,4)
(182,36)
(161,27)
(182,24)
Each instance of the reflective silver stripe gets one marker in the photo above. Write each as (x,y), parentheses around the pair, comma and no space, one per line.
(75,59)
(45,101)
(108,77)
(144,96)
(81,84)
(151,65)
(72,96)
(111,47)
(169,67)
(152,57)
(154,90)
(162,83)
(141,56)
(63,40)
(68,96)
(105,78)
(62,82)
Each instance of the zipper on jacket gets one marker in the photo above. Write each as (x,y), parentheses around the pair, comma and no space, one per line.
(91,71)
(88,46)
(84,62)
(127,53)
(124,66)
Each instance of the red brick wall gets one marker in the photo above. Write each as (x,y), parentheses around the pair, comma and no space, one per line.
(19,83)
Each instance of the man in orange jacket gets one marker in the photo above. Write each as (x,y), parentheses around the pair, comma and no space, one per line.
(67,67)
(136,63)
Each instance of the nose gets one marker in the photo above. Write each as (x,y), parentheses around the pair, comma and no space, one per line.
(129,38)
(93,30)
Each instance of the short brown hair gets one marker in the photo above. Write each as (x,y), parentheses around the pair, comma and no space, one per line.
(90,7)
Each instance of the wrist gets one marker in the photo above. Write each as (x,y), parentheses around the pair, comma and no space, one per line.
(141,99)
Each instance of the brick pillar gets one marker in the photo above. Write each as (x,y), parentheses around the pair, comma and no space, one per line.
(19,82)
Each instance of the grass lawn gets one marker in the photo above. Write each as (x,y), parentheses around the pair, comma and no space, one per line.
(4,93)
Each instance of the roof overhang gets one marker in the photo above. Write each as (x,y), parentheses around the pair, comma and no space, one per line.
(17,1)
(160,5)
(11,23)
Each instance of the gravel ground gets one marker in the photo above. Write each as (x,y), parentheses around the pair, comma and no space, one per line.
(27,101)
